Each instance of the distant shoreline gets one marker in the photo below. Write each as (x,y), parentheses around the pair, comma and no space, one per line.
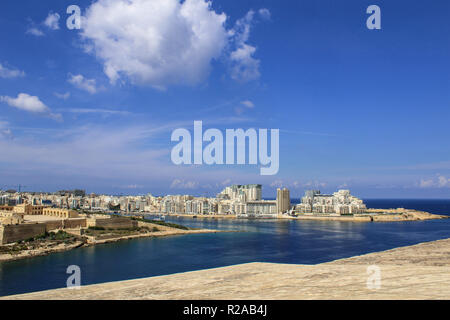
(372,215)
(44,250)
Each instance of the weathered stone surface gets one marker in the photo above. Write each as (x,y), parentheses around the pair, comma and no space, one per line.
(13,233)
(416,272)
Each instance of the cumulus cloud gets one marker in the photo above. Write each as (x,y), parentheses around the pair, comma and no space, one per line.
(10,73)
(29,103)
(82,83)
(157,42)
(168,42)
(244,67)
(52,21)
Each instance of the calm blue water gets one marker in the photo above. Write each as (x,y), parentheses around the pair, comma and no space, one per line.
(306,242)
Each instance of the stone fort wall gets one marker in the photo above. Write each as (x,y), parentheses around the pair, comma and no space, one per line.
(112,223)
(13,233)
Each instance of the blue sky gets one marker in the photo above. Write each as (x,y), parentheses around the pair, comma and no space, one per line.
(94,108)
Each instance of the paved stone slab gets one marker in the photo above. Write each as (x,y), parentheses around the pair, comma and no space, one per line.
(415,272)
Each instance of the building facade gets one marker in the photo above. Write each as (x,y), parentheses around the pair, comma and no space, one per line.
(340,202)
(283,200)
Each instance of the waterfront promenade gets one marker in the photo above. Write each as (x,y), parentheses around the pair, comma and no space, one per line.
(415,272)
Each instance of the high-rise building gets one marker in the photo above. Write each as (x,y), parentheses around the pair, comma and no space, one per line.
(340,202)
(283,200)
(244,193)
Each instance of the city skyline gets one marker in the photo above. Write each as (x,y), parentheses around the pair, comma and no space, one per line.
(357,109)
(236,200)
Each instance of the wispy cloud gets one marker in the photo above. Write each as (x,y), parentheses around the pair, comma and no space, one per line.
(265,13)
(63,96)
(181,184)
(80,82)
(99,111)
(35,32)
(439,181)
(5,131)
(309,133)
(10,72)
(247,103)
(244,66)
(107,155)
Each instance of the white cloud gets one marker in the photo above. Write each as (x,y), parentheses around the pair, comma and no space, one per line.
(132,186)
(5,131)
(315,184)
(277,183)
(443,182)
(82,83)
(99,156)
(63,96)
(439,181)
(244,67)
(52,21)
(426,183)
(264,13)
(296,184)
(181,184)
(248,104)
(100,111)
(157,42)
(29,103)
(35,32)
(226,182)
(10,73)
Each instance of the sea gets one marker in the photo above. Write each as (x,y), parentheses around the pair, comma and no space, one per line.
(286,241)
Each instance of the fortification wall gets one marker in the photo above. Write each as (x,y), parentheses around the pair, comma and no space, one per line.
(112,223)
(65,224)
(13,233)
(53,225)
(75,223)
